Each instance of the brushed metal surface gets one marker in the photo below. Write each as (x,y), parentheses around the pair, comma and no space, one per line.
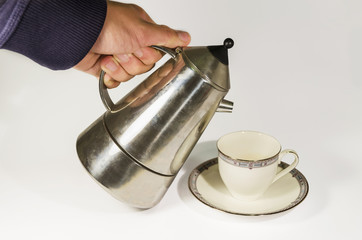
(140,143)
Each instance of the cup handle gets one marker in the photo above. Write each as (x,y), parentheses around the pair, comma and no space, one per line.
(290,167)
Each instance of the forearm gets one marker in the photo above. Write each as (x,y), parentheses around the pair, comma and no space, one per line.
(57,33)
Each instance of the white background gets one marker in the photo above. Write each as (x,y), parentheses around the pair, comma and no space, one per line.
(296,73)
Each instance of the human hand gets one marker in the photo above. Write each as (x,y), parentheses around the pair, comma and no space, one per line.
(123,49)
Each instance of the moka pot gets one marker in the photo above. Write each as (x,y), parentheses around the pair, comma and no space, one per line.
(136,148)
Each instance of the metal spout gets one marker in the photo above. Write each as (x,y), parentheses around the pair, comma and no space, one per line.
(225,106)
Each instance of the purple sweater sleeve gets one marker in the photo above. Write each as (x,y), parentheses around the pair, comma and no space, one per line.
(54,33)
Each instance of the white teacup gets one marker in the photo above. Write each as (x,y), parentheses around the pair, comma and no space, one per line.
(248,163)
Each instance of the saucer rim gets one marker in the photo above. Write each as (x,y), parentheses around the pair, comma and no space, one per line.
(196,172)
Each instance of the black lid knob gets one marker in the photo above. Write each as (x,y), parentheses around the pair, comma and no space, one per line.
(228,43)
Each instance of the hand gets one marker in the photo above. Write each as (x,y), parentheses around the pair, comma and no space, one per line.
(122,48)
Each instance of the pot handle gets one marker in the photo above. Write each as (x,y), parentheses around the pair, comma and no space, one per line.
(103,91)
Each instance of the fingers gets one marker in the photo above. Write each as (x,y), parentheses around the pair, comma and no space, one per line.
(109,82)
(114,72)
(122,67)
(148,55)
(162,35)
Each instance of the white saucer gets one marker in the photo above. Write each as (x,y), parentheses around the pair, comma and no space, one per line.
(206,185)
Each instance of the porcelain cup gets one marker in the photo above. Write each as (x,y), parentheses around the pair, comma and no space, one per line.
(248,163)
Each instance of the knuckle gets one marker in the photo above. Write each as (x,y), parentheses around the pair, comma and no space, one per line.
(120,75)
(137,8)
(169,33)
(139,69)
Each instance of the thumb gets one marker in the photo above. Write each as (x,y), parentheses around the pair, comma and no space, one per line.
(162,35)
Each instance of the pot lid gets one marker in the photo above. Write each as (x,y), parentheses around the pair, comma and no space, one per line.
(211,62)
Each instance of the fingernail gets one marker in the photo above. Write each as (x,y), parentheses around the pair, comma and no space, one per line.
(107,78)
(111,66)
(184,36)
(110,82)
(138,53)
(123,58)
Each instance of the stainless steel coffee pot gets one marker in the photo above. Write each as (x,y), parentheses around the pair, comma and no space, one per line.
(136,148)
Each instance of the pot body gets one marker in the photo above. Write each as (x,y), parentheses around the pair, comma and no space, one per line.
(138,146)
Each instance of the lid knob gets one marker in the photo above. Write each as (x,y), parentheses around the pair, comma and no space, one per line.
(228,43)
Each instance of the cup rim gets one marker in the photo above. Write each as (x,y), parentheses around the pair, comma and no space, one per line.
(248,160)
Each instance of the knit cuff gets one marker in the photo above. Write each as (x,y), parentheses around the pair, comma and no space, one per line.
(58,33)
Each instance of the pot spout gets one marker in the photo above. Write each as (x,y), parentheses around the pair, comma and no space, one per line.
(225,106)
